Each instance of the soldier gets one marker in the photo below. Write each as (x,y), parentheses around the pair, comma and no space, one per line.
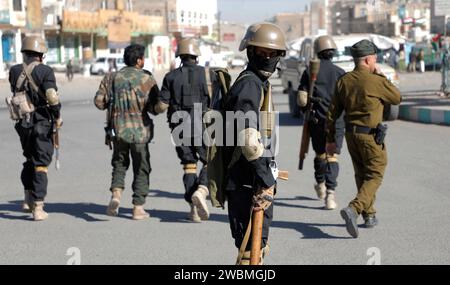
(361,94)
(251,184)
(326,168)
(129,95)
(37,127)
(183,89)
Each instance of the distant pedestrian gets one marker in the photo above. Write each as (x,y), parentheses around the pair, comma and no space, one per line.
(412,61)
(421,60)
(69,70)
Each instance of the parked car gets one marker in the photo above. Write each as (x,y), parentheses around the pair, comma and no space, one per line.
(103,65)
(238,62)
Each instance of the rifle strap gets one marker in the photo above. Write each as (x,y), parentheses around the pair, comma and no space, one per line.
(246,239)
(28,69)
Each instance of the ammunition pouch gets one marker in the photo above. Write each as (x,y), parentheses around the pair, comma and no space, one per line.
(20,106)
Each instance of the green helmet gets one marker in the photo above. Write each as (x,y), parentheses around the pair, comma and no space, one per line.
(324,43)
(187,46)
(34,43)
(265,35)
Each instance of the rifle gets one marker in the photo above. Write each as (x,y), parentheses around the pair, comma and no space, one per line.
(267,124)
(56,146)
(109,128)
(304,144)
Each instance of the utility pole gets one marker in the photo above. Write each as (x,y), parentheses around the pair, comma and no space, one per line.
(218,30)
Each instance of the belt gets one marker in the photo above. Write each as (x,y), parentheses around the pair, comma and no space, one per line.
(355,129)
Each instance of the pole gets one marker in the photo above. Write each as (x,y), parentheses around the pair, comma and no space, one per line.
(257,225)
(218,30)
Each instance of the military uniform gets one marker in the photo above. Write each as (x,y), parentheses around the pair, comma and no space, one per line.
(326,168)
(36,131)
(246,177)
(361,94)
(134,93)
(36,135)
(250,183)
(185,90)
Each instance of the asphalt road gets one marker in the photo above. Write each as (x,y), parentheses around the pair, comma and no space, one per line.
(413,202)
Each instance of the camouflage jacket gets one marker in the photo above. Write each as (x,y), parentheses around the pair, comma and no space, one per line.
(134,94)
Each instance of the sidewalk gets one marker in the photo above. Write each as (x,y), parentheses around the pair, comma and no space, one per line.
(425,107)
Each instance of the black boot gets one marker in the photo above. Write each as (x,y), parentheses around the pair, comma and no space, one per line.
(350,217)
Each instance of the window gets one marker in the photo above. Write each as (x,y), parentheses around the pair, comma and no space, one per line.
(17,5)
(195,15)
(172,15)
(158,13)
(189,14)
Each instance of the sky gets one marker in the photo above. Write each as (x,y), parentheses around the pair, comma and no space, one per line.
(249,11)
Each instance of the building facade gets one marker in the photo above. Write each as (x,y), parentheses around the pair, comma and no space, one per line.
(13,22)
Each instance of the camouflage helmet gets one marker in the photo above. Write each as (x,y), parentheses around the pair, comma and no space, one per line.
(34,43)
(264,35)
(324,43)
(187,46)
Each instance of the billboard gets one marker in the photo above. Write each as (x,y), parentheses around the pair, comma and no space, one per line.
(119,33)
(441,7)
(34,15)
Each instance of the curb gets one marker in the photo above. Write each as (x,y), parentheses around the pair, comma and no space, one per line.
(427,115)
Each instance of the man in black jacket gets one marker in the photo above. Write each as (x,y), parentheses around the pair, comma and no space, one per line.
(185,94)
(36,128)
(326,167)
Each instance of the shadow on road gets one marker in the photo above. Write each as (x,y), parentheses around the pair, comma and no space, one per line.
(309,231)
(77,210)
(85,211)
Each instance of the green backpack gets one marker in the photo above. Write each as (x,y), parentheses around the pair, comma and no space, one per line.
(217,162)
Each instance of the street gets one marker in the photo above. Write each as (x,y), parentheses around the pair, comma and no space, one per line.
(413,201)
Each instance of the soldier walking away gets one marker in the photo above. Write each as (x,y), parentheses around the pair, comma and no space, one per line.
(129,95)
(183,88)
(412,61)
(445,67)
(36,108)
(361,94)
(69,70)
(421,60)
(250,183)
(326,168)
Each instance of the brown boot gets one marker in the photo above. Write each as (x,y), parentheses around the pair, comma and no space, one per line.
(28,204)
(113,207)
(193,215)
(245,258)
(38,212)
(199,200)
(320,190)
(330,200)
(139,213)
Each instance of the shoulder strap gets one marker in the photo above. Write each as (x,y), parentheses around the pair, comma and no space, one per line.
(28,69)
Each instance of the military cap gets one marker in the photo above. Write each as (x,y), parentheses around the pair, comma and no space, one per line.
(363,48)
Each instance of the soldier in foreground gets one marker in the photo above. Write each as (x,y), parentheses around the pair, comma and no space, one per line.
(251,184)
(326,167)
(361,94)
(183,89)
(36,108)
(129,95)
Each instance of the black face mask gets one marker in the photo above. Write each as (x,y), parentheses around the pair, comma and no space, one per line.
(265,64)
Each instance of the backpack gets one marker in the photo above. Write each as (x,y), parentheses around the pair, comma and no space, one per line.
(217,162)
(19,104)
